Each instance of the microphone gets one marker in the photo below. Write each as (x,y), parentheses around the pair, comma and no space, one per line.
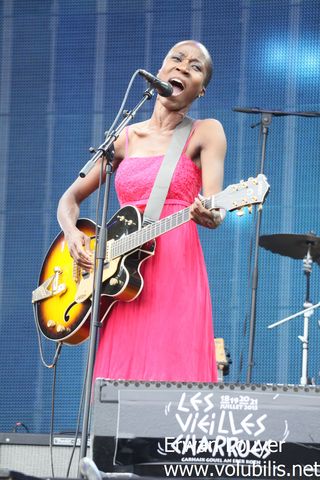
(163,88)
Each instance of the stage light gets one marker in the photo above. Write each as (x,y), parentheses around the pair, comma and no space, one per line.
(299,59)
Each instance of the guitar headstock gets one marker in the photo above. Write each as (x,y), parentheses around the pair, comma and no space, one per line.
(243,194)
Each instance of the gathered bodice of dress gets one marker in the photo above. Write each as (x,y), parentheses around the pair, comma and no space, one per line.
(136,175)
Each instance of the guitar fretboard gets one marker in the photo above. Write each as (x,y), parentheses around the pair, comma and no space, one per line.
(149,232)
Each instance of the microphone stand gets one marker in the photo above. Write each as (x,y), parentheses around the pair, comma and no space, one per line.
(266,118)
(100,251)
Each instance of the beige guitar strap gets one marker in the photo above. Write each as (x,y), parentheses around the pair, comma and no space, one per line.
(163,179)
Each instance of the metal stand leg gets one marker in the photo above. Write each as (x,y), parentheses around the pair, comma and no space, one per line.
(309,309)
(305,344)
(307,268)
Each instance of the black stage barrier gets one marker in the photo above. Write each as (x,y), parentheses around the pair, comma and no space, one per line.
(191,430)
(183,430)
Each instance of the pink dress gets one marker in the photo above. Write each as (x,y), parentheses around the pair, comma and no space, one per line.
(166,334)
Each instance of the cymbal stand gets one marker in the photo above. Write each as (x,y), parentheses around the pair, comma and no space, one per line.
(307,268)
(307,312)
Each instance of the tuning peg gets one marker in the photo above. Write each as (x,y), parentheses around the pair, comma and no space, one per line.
(240,212)
(250,208)
(260,207)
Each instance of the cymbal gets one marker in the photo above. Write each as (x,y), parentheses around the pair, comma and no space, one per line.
(292,245)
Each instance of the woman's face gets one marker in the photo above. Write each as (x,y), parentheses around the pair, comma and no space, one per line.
(185,68)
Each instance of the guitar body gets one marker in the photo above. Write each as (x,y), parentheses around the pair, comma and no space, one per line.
(63,296)
(123,280)
(60,317)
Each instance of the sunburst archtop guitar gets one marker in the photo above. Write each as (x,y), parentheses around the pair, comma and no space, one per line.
(63,296)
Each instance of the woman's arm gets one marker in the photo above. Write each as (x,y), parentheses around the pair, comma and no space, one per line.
(69,209)
(213,147)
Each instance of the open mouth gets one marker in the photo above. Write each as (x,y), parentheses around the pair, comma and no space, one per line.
(177,86)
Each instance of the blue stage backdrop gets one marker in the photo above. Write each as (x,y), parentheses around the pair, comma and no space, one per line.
(64,68)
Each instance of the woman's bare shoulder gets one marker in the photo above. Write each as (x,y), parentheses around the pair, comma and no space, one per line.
(210,125)
(138,128)
(208,131)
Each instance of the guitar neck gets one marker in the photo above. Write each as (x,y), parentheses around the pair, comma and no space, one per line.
(149,232)
(234,197)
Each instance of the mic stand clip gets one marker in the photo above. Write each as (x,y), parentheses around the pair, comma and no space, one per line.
(114,134)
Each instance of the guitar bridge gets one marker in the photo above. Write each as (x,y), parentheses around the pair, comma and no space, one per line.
(43,292)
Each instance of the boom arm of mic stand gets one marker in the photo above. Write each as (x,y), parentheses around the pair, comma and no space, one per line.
(298,314)
(276,113)
(100,248)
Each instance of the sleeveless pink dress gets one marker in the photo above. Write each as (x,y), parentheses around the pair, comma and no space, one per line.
(166,334)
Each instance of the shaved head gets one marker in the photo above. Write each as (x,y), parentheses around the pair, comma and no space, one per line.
(205,53)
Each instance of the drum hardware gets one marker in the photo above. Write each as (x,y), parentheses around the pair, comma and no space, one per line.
(307,248)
